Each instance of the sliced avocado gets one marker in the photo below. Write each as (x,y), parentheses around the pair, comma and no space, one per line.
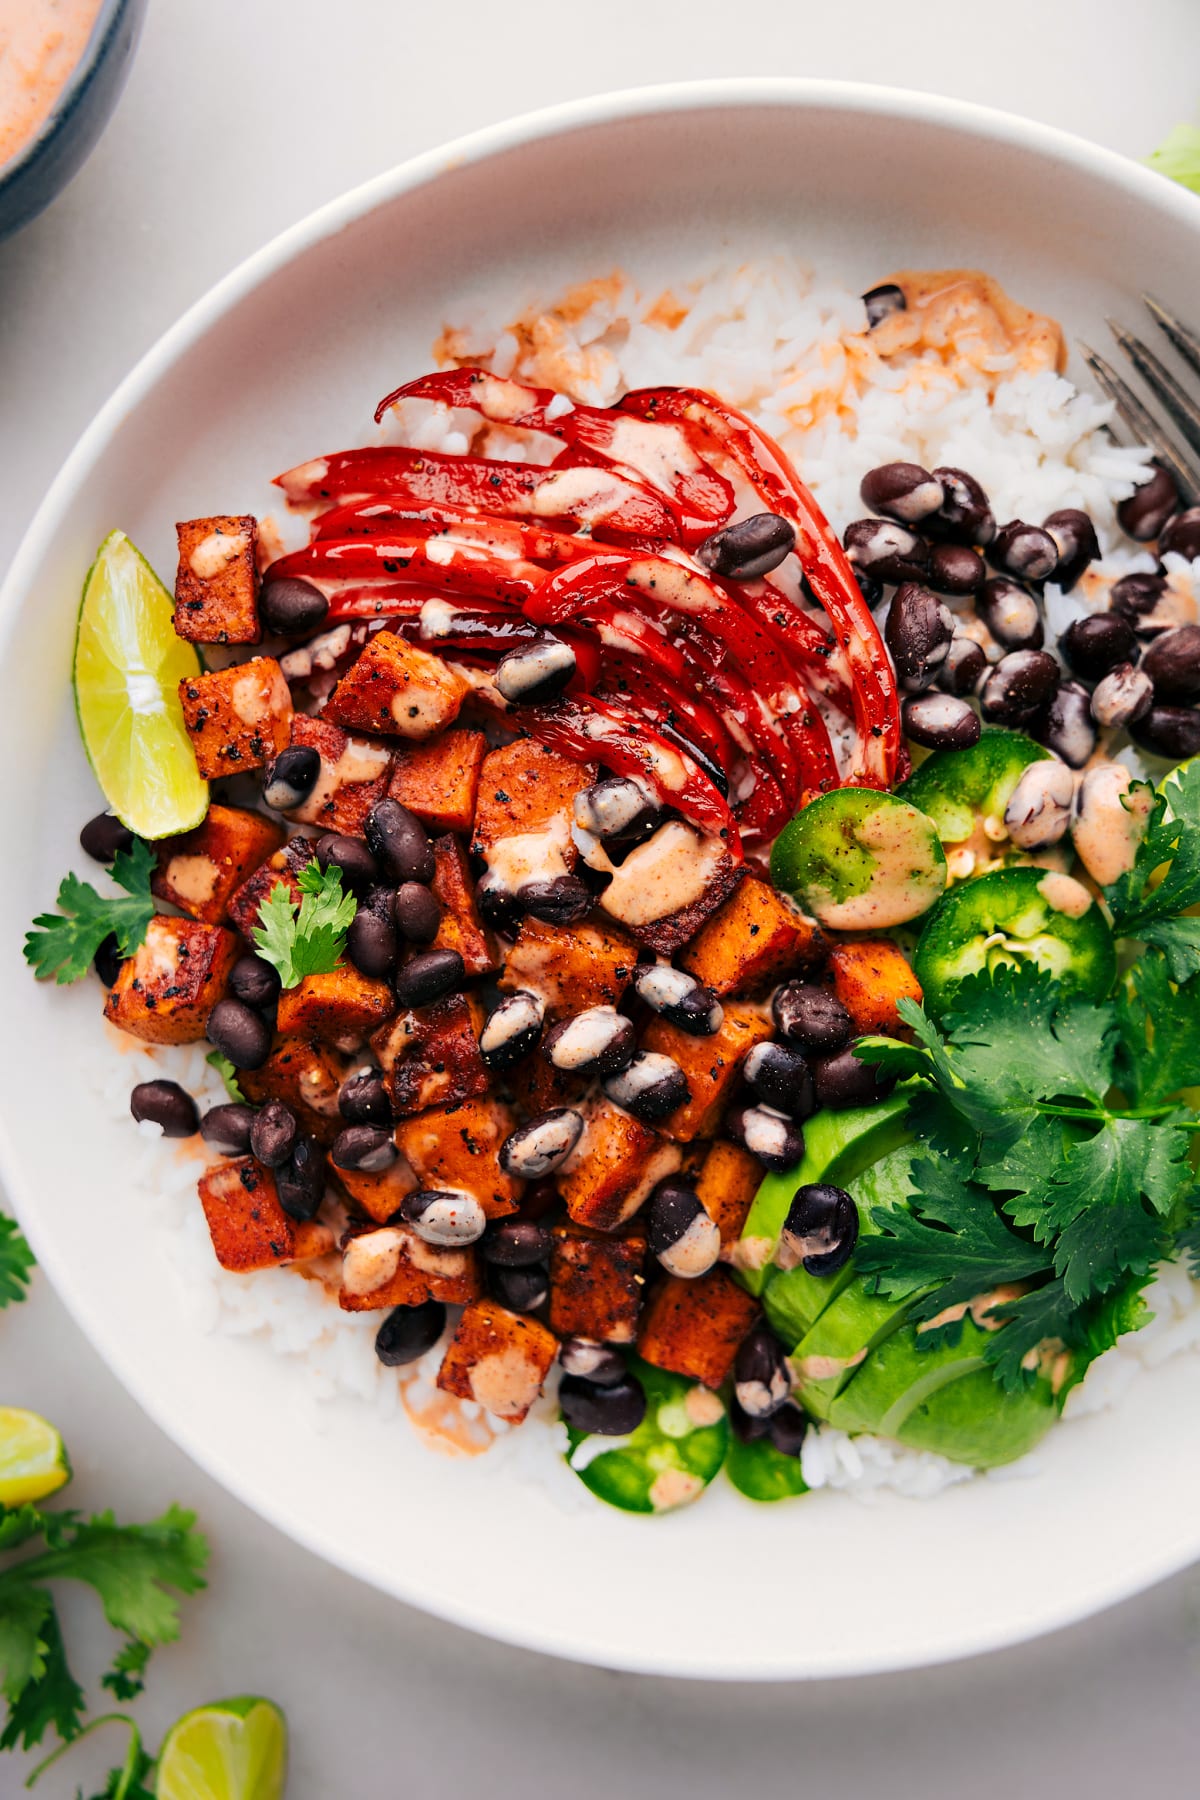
(829,1356)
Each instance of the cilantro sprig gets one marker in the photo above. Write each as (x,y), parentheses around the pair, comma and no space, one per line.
(1149,902)
(309,937)
(16,1261)
(63,943)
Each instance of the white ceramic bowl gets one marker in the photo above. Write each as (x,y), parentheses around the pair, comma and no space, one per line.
(284,359)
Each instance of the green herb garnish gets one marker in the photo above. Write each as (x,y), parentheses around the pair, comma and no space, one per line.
(1149,909)
(1178,156)
(16,1260)
(308,938)
(228,1074)
(63,944)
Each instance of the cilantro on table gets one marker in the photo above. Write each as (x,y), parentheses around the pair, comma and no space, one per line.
(63,943)
(1149,901)
(16,1260)
(308,938)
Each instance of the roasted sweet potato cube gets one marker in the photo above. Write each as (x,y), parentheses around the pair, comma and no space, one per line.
(711,1065)
(459,1147)
(249,1228)
(199,871)
(379,1196)
(728,1180)
(570,967)
(525,787)
(280,869)
(756,940)
(353,776)
(695,1327)
(538,1086)
(645,892)
(596,1283)
(394,1267)
(439,781)
(169,986)
(870,978)
(336,1007)
(498,1359)
(461,928)
(237,718)
(613,1167)
(396,688)
(216,584)
(431,1055)
(305,1075)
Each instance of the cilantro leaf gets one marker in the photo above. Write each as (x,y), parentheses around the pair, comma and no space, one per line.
(1028,1321)
(16,1260)
(48,1694)
(63,943)
(1146,907)
(308,938)
(228,1074)
(126,1674)
(1160,1032)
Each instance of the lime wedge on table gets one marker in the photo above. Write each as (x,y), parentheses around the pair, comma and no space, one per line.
(33,1462)
(231,1750)
(128,666)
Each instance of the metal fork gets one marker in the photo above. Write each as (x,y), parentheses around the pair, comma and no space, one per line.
(1182,411)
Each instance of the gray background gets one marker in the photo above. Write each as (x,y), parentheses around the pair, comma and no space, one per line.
(240,116)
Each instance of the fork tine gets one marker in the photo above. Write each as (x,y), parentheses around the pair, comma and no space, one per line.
(1178,405)
(1184,339)
(1143,425)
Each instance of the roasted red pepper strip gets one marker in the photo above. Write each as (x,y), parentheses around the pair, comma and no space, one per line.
(876,702)
(376,517)
(666,456)
(599,500)
(627,677)
(454,565)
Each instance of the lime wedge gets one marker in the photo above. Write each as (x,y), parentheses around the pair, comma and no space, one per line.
(231,1750)
(33,1462)
(128,666)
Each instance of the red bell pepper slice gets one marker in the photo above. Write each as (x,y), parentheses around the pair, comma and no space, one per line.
(452,564)
(377,516)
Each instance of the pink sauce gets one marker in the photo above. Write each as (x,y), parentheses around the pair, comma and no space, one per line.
(41,42)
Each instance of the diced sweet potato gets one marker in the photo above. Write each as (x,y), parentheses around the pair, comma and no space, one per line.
(728,1180)
(394,1267)
(596,1284)
(498,1359)
(538,1086)
(570,967)
(525,787)
(237,718)
(431,1055)
(711,1065)
(458,1147)
(439,781)
(353,776)
(379,1196)
(249,1228)
(336,1007)
(305,1075)
(870,978)
(199,871)
(169,986)
(216,584)
(612,1169)
(756,940)
(281,869)
(461,928)
(398,689)
(652,877)
(695,1327)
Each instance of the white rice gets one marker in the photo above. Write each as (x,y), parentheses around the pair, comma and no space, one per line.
(773,342)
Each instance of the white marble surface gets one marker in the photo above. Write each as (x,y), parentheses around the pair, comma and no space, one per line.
(240,116)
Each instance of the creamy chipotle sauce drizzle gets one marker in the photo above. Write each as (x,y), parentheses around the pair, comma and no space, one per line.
(963,312)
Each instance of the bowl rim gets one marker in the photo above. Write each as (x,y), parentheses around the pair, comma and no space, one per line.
(724,93)
(100,40)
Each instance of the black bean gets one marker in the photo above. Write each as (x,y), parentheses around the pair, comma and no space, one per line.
(745,1426)
(965,663)
(1010,613)
(1172,662)
(429,976)
(1025,551)
(255,982)
(363,1100)
(1181,534)
(869,587)
(399,843)
(1067,728)
(521,1290)
(685,1240)
(516,1243)
(1136,596)
(409,1331)
(292,777)
(1172,731)
(821,1228)
(273,1134)
(597,1041)
(811,1017)
(885,549)
(239,1034)
(787,1430)
(1124,695)
(300,1183)
(680,999)
(941,722)
(359,869)
(776,1142)
(372,942)
(749,548)
(498,908)
(290,607)
(103,836)
(881,302)
(364,1147)
(416,912)
(842,1080)
(651,1087)
(612,1411)
(617,810)
(1095,644)
(779,1075)
(562,900)
(542,1145)
(598,1363)
(1149,506)
(227,1128)
(761,1383)
(955,569)
(1076,542)
(512,1030)
(918,633)
(108,960)
(165,1103)
(447,1217)
(964,517)
(535,673)
(1019,686)
(901,490)
(1039,808)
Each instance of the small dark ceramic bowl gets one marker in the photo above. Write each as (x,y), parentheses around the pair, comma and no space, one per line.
(43,166)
